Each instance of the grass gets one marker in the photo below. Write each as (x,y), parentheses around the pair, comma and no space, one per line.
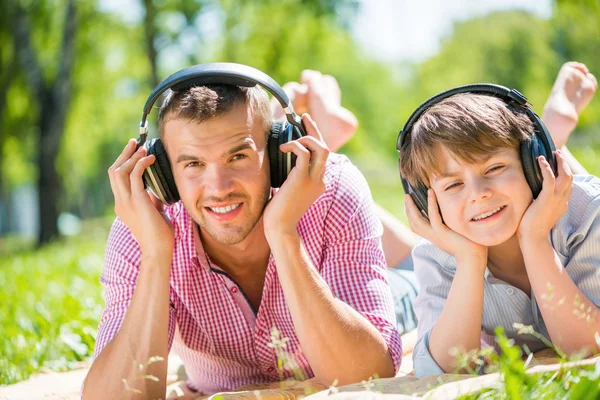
(574,383)
(50,303)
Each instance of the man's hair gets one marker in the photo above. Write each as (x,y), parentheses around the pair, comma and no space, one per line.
(471,127)
(202,103)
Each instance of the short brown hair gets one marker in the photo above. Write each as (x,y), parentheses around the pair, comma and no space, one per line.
(472,127)
(202,103)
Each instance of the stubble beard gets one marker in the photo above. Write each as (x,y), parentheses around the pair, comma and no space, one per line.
(231,234)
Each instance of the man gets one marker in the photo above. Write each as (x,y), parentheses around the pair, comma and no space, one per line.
(247,274)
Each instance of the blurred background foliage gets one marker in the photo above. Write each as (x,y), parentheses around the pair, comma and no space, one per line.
(87,116)
(74,78)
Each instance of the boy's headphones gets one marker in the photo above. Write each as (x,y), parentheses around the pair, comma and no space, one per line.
(158,176)
(539,144)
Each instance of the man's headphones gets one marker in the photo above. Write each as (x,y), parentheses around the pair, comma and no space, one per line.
(540,143)
(158,176)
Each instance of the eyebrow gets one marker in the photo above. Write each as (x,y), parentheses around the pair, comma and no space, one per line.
(445,175)
(242,146)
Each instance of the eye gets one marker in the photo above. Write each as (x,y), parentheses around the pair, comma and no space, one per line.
(495,168)
(192,164)
(457,184)
(238,157)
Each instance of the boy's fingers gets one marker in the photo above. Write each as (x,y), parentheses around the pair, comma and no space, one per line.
(416,221)
(565,175)
(432,209)
(548,179)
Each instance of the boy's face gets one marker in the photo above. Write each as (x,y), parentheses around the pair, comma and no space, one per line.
(483,201)
(222,172)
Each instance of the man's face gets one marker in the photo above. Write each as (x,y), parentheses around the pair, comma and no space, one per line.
(221,171)
(483,201)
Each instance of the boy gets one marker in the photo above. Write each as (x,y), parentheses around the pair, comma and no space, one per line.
(493,255)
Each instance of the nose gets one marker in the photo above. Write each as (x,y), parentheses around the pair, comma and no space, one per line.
(479,190)
(218,181)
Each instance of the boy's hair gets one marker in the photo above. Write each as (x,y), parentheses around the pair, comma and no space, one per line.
(471,127)
(202,103)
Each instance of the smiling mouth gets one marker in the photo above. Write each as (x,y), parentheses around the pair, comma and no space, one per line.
(488,214)
(224,210)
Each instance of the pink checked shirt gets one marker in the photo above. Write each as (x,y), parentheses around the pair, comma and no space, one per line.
(223,342)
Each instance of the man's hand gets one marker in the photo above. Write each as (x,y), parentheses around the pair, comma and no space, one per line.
(552,202)
(304,184)
(444,238)
(573,90)
(321,97)
(134,205)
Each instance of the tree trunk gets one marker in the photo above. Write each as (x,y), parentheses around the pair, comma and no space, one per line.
(53,103)
(150,34)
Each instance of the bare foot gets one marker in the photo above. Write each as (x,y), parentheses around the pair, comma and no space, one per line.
(320,96)
(573,90)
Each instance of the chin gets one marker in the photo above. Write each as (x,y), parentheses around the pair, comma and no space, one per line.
(494,239)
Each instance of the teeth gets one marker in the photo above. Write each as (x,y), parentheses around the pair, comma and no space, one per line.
(224,210)
(487,214)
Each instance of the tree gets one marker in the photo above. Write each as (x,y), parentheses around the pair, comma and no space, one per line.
(51,96)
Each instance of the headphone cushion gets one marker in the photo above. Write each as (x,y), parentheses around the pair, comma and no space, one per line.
(530,150)
(275,157)
(162,168)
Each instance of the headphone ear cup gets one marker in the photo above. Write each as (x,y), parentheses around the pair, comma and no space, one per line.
(281,163)
(158,176)
(530,150)
(419,194)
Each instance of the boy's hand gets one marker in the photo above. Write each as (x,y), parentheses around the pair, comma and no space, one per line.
(304,184)
(551,204)
(134,205)
(573,89)
(444,238)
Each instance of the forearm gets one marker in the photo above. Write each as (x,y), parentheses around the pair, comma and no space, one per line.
(459,324)
(338,342)
(143,334)
(570,317)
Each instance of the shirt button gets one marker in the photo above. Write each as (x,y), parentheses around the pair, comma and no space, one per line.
(234,290)
(510,291)
(271,370)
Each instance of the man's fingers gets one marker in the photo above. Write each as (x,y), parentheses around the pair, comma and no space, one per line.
(137,183)
(128,165)
(311,127)
(319,154)
(125,154)
(301,152)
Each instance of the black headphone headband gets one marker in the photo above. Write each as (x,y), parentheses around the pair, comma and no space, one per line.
(477,88)
(219,73)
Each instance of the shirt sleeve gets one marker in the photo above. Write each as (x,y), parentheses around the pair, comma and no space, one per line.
(353,263)
(121,268)
(581,232)
(434,286)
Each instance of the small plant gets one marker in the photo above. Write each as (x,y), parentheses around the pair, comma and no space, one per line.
(140,376)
